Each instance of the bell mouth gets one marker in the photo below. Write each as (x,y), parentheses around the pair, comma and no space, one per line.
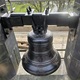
(40,69)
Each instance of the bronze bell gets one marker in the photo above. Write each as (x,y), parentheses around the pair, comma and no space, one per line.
(41,59)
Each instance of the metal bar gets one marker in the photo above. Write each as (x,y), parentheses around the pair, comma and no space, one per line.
(58,18)
(24,49)
(60,49)
(2,5)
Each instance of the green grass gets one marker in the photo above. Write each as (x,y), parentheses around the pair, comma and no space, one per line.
(21,7)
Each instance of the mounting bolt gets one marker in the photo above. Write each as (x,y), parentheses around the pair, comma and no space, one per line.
(29,10)
(47,10)
(2,9)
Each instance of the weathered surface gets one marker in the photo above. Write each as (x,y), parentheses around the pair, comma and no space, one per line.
(72,56)
(9,56)
(50,77)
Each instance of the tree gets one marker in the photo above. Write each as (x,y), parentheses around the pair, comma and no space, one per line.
(40,5)
(60,4)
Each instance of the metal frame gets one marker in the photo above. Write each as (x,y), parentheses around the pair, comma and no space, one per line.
(9,54)
(57,18)
(72,54)
(39,21)
(3,7)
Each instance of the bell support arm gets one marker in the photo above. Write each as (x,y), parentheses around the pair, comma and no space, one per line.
(56,18)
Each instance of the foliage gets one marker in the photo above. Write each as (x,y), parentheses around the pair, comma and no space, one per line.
(39,6)
(64,4)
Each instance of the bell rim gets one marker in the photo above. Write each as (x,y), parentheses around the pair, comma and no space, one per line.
(45,73)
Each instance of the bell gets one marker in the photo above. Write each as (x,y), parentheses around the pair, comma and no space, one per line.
(41,59)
